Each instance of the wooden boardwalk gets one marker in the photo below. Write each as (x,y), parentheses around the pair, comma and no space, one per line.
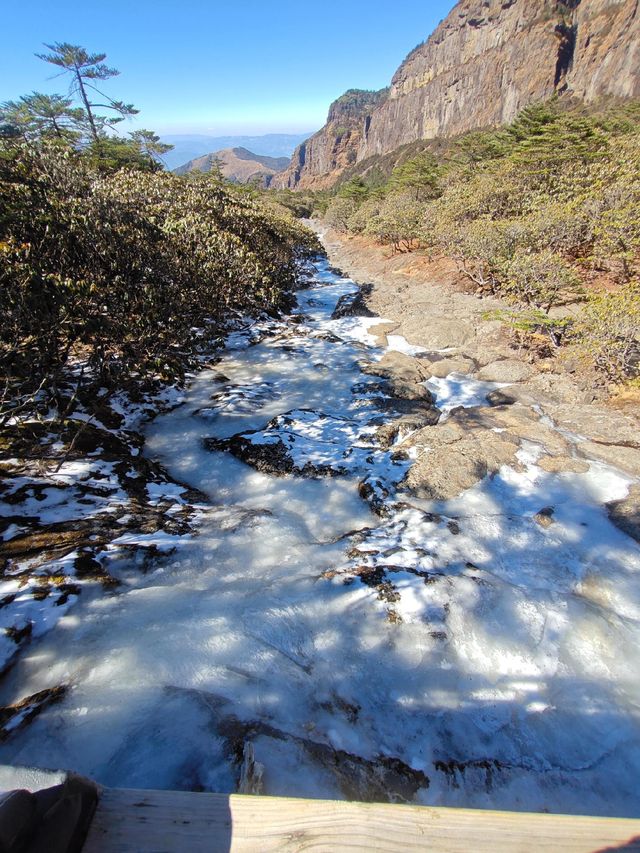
(130,821)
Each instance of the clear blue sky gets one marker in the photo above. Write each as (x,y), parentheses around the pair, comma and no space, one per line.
(220,67)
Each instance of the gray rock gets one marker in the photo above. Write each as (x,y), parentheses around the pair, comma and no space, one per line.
(625,513)
(507,370)
(397,366)
(445,366)
(499,398)
(352,305)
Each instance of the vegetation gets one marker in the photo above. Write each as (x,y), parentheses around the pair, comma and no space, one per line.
(114,273)
(537,212)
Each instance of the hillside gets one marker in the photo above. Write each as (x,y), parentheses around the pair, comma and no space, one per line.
(485,62)
(190,146)
(238,165)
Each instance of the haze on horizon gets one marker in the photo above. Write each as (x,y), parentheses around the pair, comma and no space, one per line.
(220,68)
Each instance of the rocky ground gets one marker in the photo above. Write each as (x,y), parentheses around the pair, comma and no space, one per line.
(542,399)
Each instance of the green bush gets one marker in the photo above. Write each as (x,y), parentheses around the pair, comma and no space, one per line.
(540,279)
(114,271)
(608,332)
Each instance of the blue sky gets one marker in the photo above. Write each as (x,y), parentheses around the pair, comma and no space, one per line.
(218,67)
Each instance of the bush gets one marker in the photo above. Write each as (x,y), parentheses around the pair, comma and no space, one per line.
(608,332)
(115,271)
(541,279)
(399,222)
(529,211)
(340,212)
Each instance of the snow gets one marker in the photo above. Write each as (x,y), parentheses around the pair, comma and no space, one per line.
(460,637)
(456,389)
(397,343)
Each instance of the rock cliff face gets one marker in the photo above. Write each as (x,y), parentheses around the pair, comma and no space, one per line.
(319,160)
(486,61)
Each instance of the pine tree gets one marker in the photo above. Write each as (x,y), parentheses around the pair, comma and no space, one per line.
(38,115)
(84,68)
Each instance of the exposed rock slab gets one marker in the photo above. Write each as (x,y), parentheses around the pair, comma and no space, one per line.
(506,370)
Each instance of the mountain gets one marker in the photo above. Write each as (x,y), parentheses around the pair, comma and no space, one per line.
(238,165)
(334,148)
(485,62)
(190,146)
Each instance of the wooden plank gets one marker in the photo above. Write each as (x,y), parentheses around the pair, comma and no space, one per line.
(129,821)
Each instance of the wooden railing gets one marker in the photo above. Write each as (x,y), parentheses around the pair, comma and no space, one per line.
(132,821)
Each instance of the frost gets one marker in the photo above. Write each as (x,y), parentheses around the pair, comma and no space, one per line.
(460,651)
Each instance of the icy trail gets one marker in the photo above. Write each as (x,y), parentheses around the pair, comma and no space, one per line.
(507,677)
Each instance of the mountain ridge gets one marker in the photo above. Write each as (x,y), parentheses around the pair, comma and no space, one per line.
(238,165)
(190,146)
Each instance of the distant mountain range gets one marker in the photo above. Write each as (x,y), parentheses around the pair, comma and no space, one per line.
(238,165)
(192,146)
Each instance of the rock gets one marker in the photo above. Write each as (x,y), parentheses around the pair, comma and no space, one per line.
(600,425)
(627,459)
(406,390)
(20,714)
(520,421)
(396,366)
(269,457)
(251,772)
(420,408)
(376,493)
(303,442)
(333,148)
(452,459)
(446,366)
(507,370)
(484,63)
(563,464)
(353,305)
(397,430)
(544,517)
(499,398)
(625,513)
(381,330)
(381,778)
(439,333)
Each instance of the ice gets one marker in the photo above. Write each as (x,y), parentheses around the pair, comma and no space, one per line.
(462,639)
(398,343)
(456,389)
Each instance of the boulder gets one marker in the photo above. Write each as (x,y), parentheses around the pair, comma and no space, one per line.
(625,513)
(507,370)
(453,456)
(562,465)
(397,366)
(445,366)
(353,305)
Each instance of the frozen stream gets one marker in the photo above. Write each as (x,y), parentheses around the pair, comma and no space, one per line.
(498,667)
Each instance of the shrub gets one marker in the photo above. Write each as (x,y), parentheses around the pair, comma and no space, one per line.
(608,332)
(339,213)
(116,270)
(399,221)
(541,279)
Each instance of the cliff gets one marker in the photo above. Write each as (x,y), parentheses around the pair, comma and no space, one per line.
(237,165)
(319,160)
(485,62)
